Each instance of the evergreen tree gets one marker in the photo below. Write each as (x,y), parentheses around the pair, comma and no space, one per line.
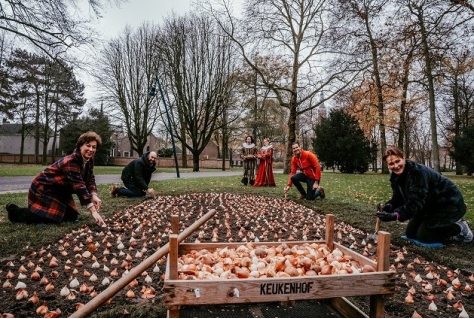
(96,121)
(341,142)
(464,149)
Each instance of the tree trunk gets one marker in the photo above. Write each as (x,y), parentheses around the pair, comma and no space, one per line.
(380,101)
(431,95)
(403,129)
(22,143)
(195,162)
(293,105)
(37,126)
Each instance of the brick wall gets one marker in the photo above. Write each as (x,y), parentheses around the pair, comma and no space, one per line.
(27,159)
(169,162)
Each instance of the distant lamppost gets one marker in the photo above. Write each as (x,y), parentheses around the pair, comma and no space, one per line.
(153,93)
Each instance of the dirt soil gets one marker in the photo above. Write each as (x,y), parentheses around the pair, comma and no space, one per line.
(86,261)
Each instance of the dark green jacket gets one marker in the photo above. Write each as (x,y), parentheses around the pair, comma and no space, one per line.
(421,191)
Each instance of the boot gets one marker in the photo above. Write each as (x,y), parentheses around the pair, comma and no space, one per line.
(13,215)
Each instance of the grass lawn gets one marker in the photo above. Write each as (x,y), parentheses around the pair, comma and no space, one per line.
(32,170)
(351,198)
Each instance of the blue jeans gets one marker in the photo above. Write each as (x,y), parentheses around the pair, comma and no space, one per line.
(310,194)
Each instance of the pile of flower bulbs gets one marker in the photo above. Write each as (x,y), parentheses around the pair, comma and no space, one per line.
(261,261)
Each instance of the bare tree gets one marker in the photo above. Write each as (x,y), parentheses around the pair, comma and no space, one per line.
(265,118)
(52,26)
(458,96)
(464,3)
(297,31)
(126,72)
(196,62)
(407,43)
(439,26)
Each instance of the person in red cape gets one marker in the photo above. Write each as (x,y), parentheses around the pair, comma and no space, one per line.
(265,171)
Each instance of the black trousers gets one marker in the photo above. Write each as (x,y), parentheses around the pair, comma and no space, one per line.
(416,229)
(131,189)
(24,215)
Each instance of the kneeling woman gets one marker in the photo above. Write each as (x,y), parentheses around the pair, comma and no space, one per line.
(50,195)
(432,203)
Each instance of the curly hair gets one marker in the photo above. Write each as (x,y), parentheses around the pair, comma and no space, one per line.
(87,137)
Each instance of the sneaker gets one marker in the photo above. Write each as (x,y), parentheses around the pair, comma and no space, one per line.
(321,191)
(465,235)
(302,197)
(12,212)
(113,191)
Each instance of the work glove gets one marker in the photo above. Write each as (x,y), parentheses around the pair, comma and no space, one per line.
(384,207)
(387,217)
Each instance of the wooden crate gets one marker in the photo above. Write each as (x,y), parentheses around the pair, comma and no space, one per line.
(254,290)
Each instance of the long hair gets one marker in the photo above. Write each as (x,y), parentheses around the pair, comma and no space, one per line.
(251,139)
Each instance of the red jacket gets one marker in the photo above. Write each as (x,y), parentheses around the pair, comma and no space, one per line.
(308,164)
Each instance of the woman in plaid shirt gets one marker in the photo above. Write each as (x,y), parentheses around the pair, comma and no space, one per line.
(50,196)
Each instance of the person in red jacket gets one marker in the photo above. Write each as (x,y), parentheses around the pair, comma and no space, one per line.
(309,172)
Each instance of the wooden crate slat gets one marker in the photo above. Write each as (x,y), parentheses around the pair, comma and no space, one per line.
(182,292)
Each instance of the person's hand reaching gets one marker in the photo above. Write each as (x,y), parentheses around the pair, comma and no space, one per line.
(387,217)
(150,192)
(384,207)
(96,201)
(98,219)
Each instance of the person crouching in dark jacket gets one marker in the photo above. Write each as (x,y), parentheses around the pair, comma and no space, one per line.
(136,176)
(431,203)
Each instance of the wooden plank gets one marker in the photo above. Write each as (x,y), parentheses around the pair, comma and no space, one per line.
(361,259)
(383,251)
(175,224)
(182,292)
(330,231)
(377,303)
(173,312)
(347,308)
(173,257)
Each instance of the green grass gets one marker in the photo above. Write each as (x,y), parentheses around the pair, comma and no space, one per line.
(351,198)
(32,170)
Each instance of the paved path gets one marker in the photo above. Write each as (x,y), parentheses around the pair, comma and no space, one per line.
(21,184)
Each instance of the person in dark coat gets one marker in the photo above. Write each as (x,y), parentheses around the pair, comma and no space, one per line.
(249,160)
(50,195)
(136,176)
(431,203)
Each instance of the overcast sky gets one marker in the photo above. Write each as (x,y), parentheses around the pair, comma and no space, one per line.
(132,13)
(135,12)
